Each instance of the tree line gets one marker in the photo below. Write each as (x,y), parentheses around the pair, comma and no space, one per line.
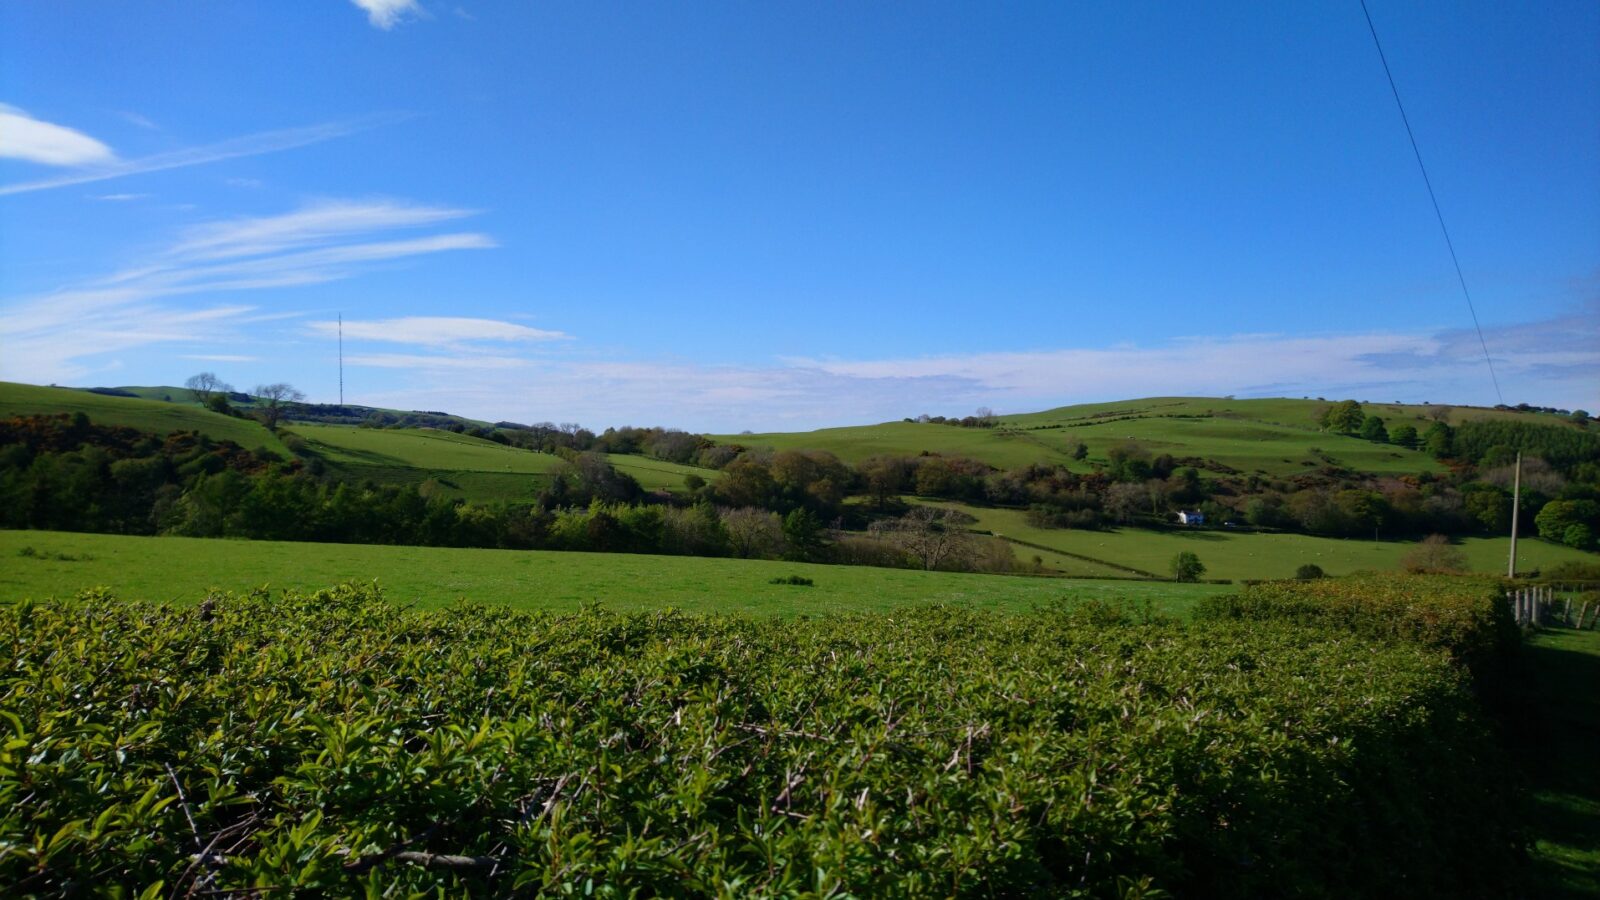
(66,473)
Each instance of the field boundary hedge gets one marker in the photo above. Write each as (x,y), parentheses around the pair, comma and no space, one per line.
(1468,617)
(334,743)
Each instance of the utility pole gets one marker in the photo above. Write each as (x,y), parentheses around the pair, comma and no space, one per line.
(341,359)
(1516,505)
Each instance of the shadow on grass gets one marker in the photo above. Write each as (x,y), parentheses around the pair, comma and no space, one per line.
(1556,740)
(354,456)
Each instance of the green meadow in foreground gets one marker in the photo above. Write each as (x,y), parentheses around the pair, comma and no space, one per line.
(39,564)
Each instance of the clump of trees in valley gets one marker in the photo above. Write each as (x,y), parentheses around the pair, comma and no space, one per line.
(67,473)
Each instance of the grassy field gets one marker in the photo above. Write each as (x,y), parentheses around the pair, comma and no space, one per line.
(658,474)
(1273,437)
(466,466)
(419,448)
(170,568)
(146,415)
(1247,555)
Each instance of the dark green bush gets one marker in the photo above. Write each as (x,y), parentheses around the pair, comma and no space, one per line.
(335,744)
(798,580)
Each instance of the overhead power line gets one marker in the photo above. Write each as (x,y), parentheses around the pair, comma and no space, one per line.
(1431,196)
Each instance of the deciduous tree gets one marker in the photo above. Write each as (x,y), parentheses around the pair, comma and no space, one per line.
(1344,417)
(931,535)
(271,400)
(207,388)
(1434,554)
(1186,566)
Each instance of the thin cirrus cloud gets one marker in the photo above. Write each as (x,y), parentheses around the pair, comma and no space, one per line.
(386,14)
(56,336)
(34,140)
(1556,361)
(91,167)
(141,121)
(434,331)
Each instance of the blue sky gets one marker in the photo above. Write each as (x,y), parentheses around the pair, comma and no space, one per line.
(780,216)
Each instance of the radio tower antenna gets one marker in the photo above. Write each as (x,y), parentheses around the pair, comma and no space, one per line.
(341,359)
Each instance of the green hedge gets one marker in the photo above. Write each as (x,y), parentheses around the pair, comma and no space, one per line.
(335,744)
(1469,617)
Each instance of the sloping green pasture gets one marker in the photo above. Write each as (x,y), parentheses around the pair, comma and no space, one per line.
(1274,436)
(1241,555)
(146,415)
(467,466)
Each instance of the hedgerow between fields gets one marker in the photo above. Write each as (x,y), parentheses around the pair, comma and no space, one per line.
(332,743)
(1467,617)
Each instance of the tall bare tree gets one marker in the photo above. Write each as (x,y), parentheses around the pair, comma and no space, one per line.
(206,387)
(933,536)
(272,398)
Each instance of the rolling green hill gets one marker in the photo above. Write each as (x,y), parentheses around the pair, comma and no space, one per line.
(146,415)
(1271,437)
(463,465)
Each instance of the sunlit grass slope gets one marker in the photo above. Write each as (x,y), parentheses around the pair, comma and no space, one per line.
(146,415)
(170,568)
(1275,437)
(472,467)
(1247,555)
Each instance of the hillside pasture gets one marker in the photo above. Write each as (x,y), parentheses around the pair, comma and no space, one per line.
(1274,437)
(154,416)
(1242,555)
(463,465)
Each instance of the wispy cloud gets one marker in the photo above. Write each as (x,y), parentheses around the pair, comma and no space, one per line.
(318,223)
(108,167)
(1554,362)
(416,362)
(35,140)
(436,331)
(386,14)
(139,120)
(48,337)
(220,357)
(121,198)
